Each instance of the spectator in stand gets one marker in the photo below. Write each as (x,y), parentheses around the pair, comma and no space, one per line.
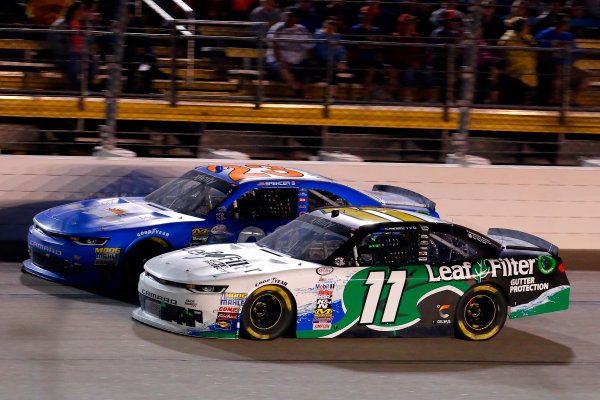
(239,9)
(553,64)
(382,17)
(307,15)
(437,17)
(139,57)
(68,49)
(323,51)
(289,59)
(447,33)
(493,27)
(267,12)
(411,63)
(366,58)
(422,12)
(343,13)
(517,9)
(550,17)
(213,9)
(519,73)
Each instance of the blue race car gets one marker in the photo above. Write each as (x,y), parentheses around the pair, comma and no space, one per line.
(105,242)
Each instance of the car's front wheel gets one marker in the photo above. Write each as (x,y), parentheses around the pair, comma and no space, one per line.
(137,257)
(267,313)
(481,313)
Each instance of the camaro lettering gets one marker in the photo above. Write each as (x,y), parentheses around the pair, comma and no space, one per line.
(158,297)
(45,248)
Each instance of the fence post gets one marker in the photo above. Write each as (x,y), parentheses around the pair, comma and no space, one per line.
(115,63)
(173,51)
(260,65)
(565,85)
(328,88)
(468,77)
(85,59)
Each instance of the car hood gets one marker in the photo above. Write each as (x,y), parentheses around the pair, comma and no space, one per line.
(106,214)
(203,264)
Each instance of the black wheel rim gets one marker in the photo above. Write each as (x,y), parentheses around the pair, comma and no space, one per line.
(480,312)
(265,311)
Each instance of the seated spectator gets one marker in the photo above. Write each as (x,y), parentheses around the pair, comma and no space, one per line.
(324,52)
(447,33)
(411,63)
(366,57)
(552,64)
(493,27)
(267,12)
(517,9)
(519,72)
(289,59)
(139,58)
(422,12)
(437,17)
(343,13)
(382,17)
(549,17)
(307,15)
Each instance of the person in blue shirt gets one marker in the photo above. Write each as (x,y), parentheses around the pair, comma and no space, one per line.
(551,65)
(366,58)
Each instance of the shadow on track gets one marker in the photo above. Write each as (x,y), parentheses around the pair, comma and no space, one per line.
(402,355)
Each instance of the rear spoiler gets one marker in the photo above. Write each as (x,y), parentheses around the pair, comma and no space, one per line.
(535,241)
(413,196)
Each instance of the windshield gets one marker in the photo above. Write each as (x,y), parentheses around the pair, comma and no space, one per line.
(308,238)
(195,193)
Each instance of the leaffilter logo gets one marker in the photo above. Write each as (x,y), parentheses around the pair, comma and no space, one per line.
(546,264)
(480,270)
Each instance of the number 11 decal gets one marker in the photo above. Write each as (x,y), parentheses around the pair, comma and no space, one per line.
(375,281)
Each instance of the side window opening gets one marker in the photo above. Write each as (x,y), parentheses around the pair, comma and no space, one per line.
(395,248)
(266,204)
(444,248)
(318,198)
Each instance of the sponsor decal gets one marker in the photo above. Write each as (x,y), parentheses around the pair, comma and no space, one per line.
(271,280)
(158,297)
(107,256)
(441,308)
(519,285)
(325,286)
(154,231)
(222,324)
(321,326)
(233,299)
(479,238)
(220,216)
(191,303)
(546,264)
(338,262)
(199,236)
(227,316)
(239,172)
(424,228)
(302,199)
(323,312)
(302,213)
(45,248)
(276,183)
(221,261)
(327,270)
(117,211)
(218,229)
(229,309)
(488,268)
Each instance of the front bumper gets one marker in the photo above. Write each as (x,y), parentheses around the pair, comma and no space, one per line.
(178,310)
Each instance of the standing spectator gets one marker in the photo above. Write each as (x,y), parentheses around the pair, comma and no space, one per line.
(519,75)
(409,62)
(550,17)
(307,15)
(437,17)
(553,64)
(68,48)
(366,58)
(382,17)
(267,12)
(446,34)
(492,25)
(517,9)
(289,58)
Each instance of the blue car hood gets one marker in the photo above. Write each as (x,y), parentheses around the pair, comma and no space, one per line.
(96,215)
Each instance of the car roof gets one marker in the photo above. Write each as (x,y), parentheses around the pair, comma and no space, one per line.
(242,173)
(356,217)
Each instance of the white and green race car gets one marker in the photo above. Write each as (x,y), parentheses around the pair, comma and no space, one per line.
(355,272)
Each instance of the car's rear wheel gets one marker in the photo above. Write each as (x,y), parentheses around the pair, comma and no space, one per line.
(137,257)
(481,313)
(267,313)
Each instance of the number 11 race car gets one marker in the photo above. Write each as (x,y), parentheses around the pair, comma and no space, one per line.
(355,271)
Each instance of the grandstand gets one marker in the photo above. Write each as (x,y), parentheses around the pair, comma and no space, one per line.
(194,83)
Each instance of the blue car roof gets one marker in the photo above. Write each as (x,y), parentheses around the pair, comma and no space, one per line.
(242,173)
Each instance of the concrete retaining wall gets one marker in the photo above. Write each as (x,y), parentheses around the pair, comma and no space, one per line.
(560,204)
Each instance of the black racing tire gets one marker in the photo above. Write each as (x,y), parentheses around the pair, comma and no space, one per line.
(268,313)
(480,313)
(137,256)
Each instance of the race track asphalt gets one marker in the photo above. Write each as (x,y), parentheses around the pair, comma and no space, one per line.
(60,342)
